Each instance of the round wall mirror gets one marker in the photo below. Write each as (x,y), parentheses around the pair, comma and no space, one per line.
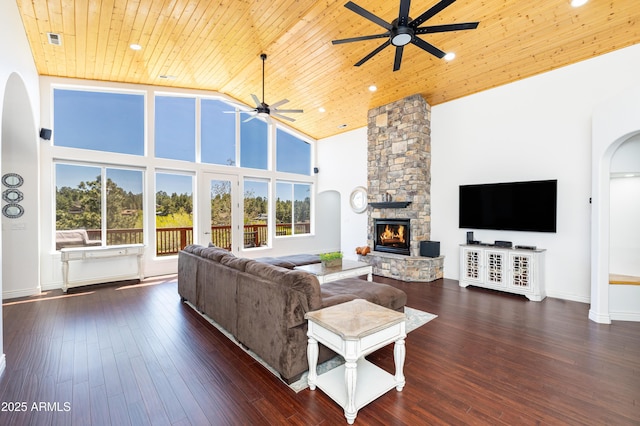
(358,199)
(12,180)
(12,211)
(12,195)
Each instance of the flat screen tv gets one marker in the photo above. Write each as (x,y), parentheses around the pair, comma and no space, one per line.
(512,206)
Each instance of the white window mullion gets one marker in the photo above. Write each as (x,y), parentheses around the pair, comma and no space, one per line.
(103,204)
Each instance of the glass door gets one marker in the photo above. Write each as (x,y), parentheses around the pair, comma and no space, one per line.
(217,212)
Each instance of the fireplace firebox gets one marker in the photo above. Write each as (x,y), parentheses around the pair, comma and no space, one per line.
(392,236)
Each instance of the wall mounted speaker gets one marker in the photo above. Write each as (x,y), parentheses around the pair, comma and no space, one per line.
(45,134)
(430,248)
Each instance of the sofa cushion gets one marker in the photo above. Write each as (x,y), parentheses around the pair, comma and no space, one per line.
(276,261)
(301,259)
(268,272)
(347,289)
(237,263)
(215,253)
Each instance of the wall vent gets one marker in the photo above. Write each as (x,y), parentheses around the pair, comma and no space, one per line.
(54,39)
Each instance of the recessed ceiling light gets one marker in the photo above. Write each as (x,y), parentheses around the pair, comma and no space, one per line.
(134,46)
(321,109)
(342,126)
(373,88)
(578,3)
(449,56)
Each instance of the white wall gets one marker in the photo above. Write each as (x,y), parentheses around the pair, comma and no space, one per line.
(538,128)
(342,161)
(17,62)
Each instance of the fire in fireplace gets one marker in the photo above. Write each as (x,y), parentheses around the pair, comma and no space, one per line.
(392,235)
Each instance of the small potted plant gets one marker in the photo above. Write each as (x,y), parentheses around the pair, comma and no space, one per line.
(331,260)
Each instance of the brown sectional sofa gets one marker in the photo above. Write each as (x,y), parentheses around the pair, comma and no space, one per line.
(262,302)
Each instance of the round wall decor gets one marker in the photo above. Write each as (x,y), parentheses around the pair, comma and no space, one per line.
(12,180)
(12,195)
(12,211)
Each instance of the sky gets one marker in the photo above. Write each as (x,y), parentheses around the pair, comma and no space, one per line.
(114,122)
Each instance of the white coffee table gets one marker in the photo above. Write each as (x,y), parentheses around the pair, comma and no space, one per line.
(355,329)
(348,269)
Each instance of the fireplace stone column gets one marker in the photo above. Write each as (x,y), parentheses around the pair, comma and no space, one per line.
(399,168)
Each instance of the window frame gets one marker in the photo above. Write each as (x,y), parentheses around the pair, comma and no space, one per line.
(149,164)
(293,209)
(103,196)
(107,90)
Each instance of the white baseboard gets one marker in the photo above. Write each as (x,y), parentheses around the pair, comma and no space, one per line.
(12,294)
(625,316)
(599,318)
(567,296)
(3,363)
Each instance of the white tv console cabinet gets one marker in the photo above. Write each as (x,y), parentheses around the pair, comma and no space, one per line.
(517,271)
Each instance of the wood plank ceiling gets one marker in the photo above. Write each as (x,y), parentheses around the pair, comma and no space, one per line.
(216,45)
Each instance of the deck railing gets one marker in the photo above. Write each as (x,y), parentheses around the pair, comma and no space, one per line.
(169,241)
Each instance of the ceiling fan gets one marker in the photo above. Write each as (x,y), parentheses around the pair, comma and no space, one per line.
(267,111)
(404,30)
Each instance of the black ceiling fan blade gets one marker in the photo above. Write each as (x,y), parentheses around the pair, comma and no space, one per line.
(361,38)
(430,13)
(403,15)
(398,60)
(275,114)
(448,27)
(287,111)
(372,54)
(428,47)
(368,15)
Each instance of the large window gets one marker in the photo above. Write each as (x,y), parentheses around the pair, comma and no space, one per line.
(293,155)
(175,129)
(100,197)
(218,133)
(100,121)
(256,213)
(254,144)
(79,193)
(174,212)
(293,208)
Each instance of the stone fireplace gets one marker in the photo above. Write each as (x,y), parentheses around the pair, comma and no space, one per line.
(399,187)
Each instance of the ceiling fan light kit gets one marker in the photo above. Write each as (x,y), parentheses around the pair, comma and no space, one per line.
(404,30)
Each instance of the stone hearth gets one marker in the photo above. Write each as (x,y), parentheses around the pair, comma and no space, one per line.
(399,168)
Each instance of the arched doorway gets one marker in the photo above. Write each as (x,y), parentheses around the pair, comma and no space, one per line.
(614,122)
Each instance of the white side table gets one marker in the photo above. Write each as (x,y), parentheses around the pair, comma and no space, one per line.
(355,329)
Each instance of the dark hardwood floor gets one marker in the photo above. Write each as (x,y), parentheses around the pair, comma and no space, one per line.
(133,354)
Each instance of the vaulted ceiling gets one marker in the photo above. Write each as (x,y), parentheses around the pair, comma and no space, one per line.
(216,45)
